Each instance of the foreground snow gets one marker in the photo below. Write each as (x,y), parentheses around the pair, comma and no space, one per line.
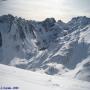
(27,80)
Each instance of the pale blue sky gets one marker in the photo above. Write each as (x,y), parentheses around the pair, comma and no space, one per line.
(41,9)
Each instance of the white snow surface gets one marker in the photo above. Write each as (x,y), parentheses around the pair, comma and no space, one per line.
(28,80)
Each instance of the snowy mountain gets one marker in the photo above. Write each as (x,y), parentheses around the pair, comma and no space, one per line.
(50,46)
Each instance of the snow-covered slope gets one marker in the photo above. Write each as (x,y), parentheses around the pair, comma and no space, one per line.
(11,77)
(50,46)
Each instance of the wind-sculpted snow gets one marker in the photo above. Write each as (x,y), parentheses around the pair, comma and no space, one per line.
(50,46)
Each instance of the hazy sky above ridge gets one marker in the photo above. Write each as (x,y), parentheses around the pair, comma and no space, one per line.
(41,9)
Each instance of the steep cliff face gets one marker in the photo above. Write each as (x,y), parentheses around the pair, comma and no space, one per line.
(20,38)
(48,46)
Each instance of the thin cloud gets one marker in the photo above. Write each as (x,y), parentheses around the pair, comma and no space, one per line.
(41,9)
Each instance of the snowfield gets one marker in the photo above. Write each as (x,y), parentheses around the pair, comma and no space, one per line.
(27,80)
